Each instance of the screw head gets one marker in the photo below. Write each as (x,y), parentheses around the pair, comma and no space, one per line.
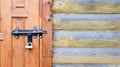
(34,28)
(16,28)
(41,37)
(16,37)
(35,37)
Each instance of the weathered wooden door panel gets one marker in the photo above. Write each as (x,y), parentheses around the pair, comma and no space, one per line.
(24,14)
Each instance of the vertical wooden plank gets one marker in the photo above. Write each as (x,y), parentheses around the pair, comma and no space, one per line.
(44,61)
(0,31)
(41,20)
(6,28)
(18,45)
(46,46)
(32,56)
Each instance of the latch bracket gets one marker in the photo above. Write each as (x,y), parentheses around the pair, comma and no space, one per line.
(29,33)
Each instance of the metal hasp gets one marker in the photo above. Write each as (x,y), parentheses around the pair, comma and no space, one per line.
(30,34)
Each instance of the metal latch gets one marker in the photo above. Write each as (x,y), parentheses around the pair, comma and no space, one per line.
(30,34)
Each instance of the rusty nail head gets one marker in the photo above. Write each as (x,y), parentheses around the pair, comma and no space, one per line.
(49,2)
(49,19)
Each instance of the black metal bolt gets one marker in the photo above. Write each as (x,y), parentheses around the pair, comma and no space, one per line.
(35,30)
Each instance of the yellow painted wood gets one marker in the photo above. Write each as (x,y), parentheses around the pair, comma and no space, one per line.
(86,65)
(86,59)
(86,22)
(97,39)
(86,25)
(86,6)
(87,43)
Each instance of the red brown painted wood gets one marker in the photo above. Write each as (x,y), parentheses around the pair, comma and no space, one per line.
(32,56)
(6,52)
(18,44)
(46,42)
(20,13)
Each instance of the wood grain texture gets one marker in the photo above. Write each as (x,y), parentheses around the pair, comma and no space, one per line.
(47,25)
(86,65)
(1,36)
(32,56)
(18,45)
(6,53)
(45,62)
(46,41)
(99,39)
(86,59)
(86,55)
(86,6)
(86,51)
(86,21)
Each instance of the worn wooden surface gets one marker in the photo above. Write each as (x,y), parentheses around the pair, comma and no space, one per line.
(86,59)
(86,6)
(86,21)
(86,33)
(86,65)
(86,51)
(86,55)
(99,39)
(46,41)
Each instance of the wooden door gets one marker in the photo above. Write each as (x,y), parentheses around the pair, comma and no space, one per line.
(25,14)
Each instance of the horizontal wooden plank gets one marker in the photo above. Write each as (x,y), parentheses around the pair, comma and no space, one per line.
(86,55)
(86,59)
(86,21)
(86,6)
(86,65)
(1,36)
(86,51)
(96,39)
